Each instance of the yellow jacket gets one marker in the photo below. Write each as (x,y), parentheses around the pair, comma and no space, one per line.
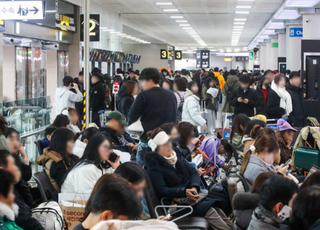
(220,79)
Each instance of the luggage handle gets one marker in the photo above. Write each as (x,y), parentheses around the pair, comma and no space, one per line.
(307,144)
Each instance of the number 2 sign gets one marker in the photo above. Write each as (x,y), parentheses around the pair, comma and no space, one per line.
(94,29)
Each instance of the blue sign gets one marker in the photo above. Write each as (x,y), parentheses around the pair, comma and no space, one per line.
(275,126)
(227,135)
(296,32)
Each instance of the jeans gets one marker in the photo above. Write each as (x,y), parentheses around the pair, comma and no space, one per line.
(142,147)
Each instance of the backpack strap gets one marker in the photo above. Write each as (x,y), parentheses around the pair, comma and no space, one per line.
(181,99)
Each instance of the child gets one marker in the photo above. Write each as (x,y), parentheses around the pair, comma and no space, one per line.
(74,119)
(45,142)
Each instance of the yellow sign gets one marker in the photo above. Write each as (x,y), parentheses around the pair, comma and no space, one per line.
(178,55)
(228,59)
(163,54)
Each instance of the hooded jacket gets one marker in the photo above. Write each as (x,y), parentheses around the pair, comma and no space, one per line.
(172,182)
(191,109)
(244,205)
(7,217)
(97,97)
(124,101)
(212,103)
(65,98)
(220,79)
(232,82)
(297,116)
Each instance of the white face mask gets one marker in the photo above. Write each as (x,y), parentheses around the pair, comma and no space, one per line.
(284,213)
(269,158)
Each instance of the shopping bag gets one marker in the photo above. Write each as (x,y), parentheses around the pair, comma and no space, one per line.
(73,206)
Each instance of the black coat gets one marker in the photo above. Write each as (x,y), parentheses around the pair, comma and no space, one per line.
(274,110)
(172,182)
(297,116)
(247,109)
(261,107)
(97,97)
(124,102)
(112,135)
(26,171)
(24,219)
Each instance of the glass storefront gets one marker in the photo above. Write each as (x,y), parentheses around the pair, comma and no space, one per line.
(63,66)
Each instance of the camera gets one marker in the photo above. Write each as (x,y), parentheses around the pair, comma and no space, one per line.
(307,20)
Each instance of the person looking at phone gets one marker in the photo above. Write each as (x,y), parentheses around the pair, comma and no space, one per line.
(64,97)
(285,138)
(18,153)
(172,176)
(244,99)
(96,161)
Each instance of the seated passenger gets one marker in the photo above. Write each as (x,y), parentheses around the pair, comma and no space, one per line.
(81,144)
(8,209)
(276,194)
(114,131)
(245,202)
(23,197)
(74,124)
(93,164)
(173,177)
(111,198)
(260,158)
(285,137)
(45,142)
(247,139)
(19,154)
(61,121)
(239,124)
(58,158)
(187,140)
(305,210)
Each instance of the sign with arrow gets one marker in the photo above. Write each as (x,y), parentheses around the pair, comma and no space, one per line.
(21,10)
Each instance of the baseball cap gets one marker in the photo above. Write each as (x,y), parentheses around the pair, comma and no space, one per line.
(118,117)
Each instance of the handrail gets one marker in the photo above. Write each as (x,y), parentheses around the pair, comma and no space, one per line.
(39,130)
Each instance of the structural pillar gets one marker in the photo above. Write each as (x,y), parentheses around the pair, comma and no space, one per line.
(293,49)
(274,52)
(268,53)
(282,40)
(311,26)
(1,71)
(262,55)
(86,39)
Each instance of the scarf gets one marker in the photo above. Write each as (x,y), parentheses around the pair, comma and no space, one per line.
(285,98)
(172,160)
(266,216)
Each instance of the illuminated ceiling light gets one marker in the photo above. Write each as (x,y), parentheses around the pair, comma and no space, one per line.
(301,3)
(184,24)
(239,23)
(170,10)
(240,19)
(176,16)
(287,14)
(238,27)
(164,3)
(242,12)
(243,7)
(115,32)
(181,21)
(245,0)
(109,30)
(187,28)
(51,11)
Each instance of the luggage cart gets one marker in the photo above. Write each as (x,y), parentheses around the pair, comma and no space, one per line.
(225,131)
(272,123)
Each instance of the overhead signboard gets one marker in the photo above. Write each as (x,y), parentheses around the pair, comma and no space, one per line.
(205,59)
(163,54)
(178,55)
(242,59)
(296,32)
(2,28)
(65,22)
(21,10)
(94,27)
(251,56)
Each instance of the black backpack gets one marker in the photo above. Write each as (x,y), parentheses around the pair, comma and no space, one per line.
(180,107)
(229,92)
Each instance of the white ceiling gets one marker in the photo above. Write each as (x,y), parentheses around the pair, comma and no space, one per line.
(213,20)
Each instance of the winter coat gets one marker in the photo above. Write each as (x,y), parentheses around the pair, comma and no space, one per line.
(261,103)
(83,178)
(255,167)
(263,219)
(243,205)
(232,82)
(97,97)
(246,141)
(55,167)
(220,79)
(247,109)
(25,169)
(297,116)
(65,98)
(7,217)
(4,143)
(124,102)
(191,110)
(112,135)
(79,105)
(274,110)
(211,105)
(172,182)
(79,148)
(285,152)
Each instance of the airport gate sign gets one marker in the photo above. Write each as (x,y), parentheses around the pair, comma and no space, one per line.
(21,10)
(296,32)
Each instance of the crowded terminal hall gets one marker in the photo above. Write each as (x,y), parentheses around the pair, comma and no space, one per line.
(159,115)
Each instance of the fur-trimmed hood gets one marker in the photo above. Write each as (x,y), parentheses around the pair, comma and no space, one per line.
(245,200)
(9,212)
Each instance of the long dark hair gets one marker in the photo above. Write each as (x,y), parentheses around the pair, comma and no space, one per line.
(132,172)
(58,143)
(240,119)
(185,130)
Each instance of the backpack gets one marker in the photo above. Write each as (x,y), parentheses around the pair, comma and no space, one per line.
(230,91)
(180,107)
(49,215)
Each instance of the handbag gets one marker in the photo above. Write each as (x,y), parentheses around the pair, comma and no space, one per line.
(188,201)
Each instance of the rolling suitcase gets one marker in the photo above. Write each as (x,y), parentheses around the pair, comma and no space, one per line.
(305,157)
(204,114)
